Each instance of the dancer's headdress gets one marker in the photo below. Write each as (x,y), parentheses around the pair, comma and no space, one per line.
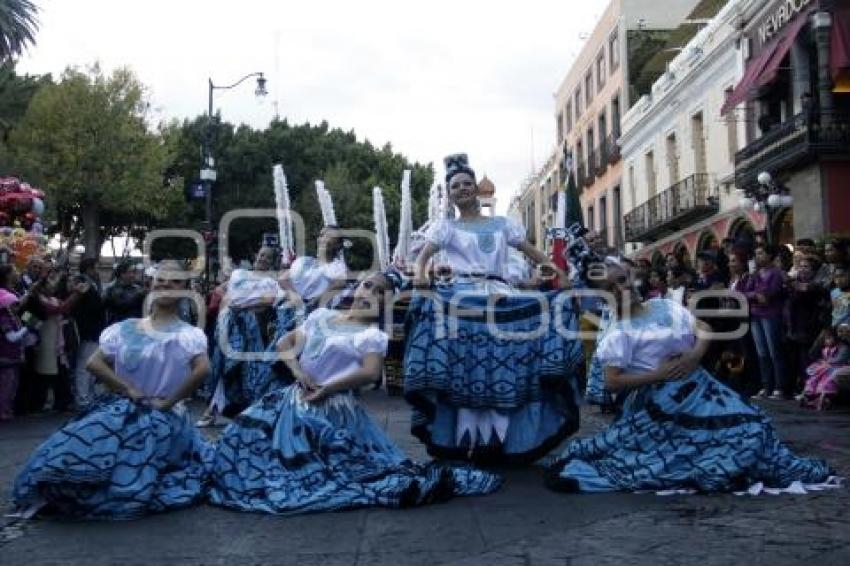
(405,225)
(457,163)
(326,204)
(284,216)
(383,239)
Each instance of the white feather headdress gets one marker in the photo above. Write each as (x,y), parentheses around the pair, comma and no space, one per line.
(326,204)
(405,225)
(283,211)
(383,240)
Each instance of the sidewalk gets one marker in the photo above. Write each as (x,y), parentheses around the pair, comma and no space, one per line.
(522,524)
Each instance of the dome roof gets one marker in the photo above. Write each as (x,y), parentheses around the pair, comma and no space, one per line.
(486,188)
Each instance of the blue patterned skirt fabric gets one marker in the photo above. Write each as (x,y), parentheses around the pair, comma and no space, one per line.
(118,460)
(458,360)
(596,393)
(246,381)
(284,456)
(694,433)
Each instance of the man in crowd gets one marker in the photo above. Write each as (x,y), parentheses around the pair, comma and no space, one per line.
(124,298)
(90,316)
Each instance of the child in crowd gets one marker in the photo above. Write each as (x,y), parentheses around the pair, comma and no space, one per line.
(840,295)
(822,386)
(657,283)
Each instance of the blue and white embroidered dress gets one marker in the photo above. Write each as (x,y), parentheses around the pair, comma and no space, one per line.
(490,371)
(286,456)
(255,315)
(120,459)
(693,433)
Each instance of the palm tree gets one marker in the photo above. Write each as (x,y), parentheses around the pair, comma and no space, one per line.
(18,25)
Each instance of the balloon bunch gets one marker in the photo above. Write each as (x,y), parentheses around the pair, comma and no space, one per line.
(21,227)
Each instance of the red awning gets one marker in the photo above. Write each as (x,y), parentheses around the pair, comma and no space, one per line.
(763,70)
(839,52)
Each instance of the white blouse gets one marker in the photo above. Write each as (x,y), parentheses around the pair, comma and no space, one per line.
(311,278)
(640,344)
(334,349)
(476,247)
(156,362)
(247,288)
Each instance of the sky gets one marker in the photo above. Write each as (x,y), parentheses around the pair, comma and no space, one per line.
(432,78)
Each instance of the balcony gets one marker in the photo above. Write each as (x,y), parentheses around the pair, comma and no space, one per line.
(612,149)
(581,173)
(602,157)
(803,138)
(672,210)
(591,169)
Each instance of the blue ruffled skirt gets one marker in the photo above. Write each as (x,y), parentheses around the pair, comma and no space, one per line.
(459,362)
(285,456)
(118,460)
(694,433)
(245,381)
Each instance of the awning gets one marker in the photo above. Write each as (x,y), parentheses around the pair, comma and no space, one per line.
(839,50)
(763,70)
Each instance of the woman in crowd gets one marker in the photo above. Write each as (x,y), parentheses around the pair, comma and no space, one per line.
(311,446)
(485,380)
(12,333)
(765,295)
(679,428)
(805,315)
(135,450)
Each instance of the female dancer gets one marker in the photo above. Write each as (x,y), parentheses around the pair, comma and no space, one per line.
(135,450)
(679,427)
(501,383)
(310,446)
(251,319)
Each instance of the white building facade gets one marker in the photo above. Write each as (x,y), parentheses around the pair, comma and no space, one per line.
(679,150)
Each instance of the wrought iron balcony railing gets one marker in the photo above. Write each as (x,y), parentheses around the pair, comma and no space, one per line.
(612,149)
(802,138)
(673,209)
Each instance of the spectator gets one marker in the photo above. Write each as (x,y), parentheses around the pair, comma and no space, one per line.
(806,302)
(89,315)
(658,284)
(765,294)
(708,275)
(124,298)
(12,333)
(835,253)
(822,385)
(678,280)
(740,379)
(840,296)
(51,360)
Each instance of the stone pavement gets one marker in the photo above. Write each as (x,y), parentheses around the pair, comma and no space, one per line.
(522,524)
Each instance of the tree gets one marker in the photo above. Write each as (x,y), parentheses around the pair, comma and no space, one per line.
(16,91)
(18,25)
(87,143)
(350,168)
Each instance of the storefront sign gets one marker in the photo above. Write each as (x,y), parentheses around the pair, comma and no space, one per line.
(780,17)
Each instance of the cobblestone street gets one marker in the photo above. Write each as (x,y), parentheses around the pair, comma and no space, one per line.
(521,524)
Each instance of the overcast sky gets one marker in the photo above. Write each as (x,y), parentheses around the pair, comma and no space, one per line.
(431,77)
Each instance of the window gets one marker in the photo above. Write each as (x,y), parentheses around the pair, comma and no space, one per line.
(560,127)
(603,218)
(568,114)
(590,218)
(588,88)
(651,184)
(577,102)
(731,131)
(601,75)
(614,50)
(618,219)
(615,115)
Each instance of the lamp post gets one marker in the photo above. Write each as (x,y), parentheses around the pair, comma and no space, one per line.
(767,197)
(208,173)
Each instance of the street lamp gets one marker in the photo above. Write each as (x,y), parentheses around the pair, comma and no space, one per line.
(208,173)
(766,197)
